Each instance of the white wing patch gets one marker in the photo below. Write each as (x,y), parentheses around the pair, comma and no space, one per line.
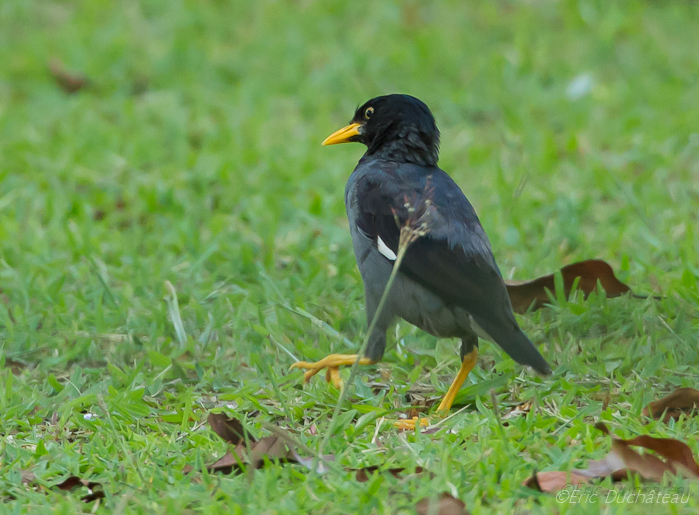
(384,250)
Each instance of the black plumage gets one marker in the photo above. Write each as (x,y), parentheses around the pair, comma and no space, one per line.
(448,283)
(453,260)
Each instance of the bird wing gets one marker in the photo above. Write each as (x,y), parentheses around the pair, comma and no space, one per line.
(452,257)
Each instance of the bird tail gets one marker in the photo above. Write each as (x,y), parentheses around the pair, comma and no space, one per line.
(513,341)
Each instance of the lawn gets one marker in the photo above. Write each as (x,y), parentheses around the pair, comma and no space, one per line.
(193,156)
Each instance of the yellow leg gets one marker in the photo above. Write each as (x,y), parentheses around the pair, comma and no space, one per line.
(332,364)
(466,366)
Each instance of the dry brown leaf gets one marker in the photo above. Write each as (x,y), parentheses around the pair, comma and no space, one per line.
(678,454)
(271,448)
(16,367)
(276,448)
(445,505)
(524,293)
(93,496)
(363,473)
(94,489)
(554,481)
(68,82)
(683,401)
(606,400)
(230,429)
(623,460)
(74,481)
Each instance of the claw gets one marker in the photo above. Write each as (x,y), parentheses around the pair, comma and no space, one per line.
(332,375)
(332,364)
(409,424)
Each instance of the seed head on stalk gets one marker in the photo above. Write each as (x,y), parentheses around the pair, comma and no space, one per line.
(416,211)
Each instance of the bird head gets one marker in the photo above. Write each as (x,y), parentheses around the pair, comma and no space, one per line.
(393,127)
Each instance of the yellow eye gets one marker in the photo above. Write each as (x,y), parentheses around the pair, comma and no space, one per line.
(369,111)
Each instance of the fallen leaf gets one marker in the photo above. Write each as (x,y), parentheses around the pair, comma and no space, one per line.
(554,481)
(622,459)
(276,448)
(15,366)
(362,474)
(606,400)
(94,489)
(270,448)
(445,505)
(230,429)
(683,401)
(93,496)
(74,481)
(524,293)
(68,82)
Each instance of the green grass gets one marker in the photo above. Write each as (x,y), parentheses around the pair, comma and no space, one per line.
(195,157)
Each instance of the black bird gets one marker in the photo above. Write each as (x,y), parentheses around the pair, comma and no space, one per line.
(448,283)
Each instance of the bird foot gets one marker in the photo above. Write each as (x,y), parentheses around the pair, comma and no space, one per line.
(409,424)
(332,364)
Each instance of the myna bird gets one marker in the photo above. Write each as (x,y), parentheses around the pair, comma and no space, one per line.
(448,283)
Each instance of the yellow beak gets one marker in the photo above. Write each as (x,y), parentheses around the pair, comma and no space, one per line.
(343,135)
